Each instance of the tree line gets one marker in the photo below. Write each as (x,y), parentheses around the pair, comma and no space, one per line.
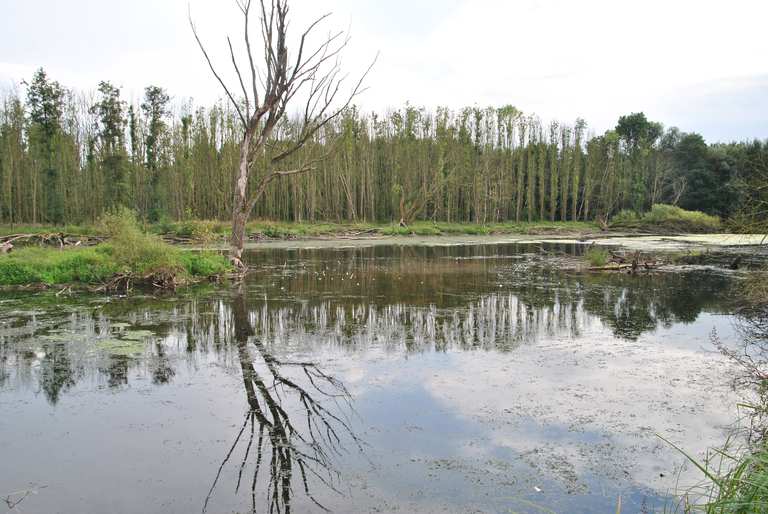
(69,156)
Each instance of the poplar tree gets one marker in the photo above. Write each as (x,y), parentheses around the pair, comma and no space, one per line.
(45,101)
(112,150)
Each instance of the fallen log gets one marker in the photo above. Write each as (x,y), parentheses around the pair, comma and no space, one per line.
(612,267)
(631,267)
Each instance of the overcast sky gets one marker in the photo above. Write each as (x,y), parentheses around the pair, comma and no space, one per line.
(701,65)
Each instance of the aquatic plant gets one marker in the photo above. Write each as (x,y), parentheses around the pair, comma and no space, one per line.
(597,256)
(736,474)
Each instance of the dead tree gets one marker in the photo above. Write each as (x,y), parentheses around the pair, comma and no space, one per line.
(312,76)
(410,208)
(289,431)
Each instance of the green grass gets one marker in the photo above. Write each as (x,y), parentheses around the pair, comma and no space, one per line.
(744,488)
(597,256)
(52,266)
(129,251)
(287,230)
(735,481)
(80,230)
(667,218)
(98,264)
(206,231)
(425,228)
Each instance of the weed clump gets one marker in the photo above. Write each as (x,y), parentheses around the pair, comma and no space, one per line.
(597,256)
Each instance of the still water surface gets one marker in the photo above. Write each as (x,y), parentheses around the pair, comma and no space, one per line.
(367,379)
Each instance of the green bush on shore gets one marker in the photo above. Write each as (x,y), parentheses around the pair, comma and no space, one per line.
(129,251)
(667,218)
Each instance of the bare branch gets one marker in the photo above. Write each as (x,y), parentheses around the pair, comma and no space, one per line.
(240,78)
(313,125)
(246,14)
(213,70)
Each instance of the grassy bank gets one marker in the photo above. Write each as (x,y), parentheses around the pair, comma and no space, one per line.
(130,256)
(201,230)
(667,218)
(204,230)
(663,219)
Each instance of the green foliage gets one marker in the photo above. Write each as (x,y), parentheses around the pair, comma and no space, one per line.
(129,251)
(45,101)
(204,264)
(202,231)
(53,266)
(597,256)
(135,250)
(474,229)
(736,480)
(113,153)
(396,230)
(80,230)
(155,109)
(669,214)
(668,218)
(749,163)
(637,131)
(626,216)
(69,158)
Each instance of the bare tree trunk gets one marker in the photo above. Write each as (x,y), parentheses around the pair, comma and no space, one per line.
(240,207)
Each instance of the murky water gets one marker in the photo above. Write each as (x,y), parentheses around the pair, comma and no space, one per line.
(367,379)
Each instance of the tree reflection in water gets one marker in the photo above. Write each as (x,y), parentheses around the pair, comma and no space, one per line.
(292,449)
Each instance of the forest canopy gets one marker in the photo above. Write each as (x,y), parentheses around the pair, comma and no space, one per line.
(69,156)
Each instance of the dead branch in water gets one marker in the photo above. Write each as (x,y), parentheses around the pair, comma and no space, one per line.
(165,280)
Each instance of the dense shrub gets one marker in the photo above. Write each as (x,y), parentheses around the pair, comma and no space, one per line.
(667,218)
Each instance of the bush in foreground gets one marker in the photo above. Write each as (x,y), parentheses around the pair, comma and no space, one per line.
(130,253)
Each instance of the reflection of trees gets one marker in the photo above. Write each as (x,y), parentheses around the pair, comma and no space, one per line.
(633,305)
(117,370)
(56,371)
(291,449)
(454,277)
(162,371)
(399,298)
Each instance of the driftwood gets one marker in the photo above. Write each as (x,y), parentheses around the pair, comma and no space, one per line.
(179,239)
(166,280)
(627,267)
(59,239)
(631,263)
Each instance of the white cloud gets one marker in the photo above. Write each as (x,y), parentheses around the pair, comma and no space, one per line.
(596,59)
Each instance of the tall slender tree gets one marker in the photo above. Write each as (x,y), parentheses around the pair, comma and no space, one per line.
(111,136)
(45,101)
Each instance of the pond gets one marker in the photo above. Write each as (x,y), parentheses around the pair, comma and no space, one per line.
(383,378)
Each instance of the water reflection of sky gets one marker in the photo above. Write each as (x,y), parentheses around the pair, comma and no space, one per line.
(480,381)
